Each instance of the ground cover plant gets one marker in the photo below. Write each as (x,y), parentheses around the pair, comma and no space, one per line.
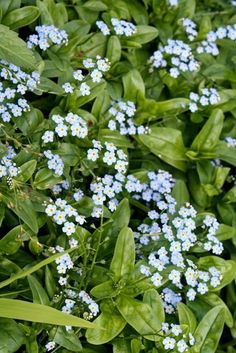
(117,168)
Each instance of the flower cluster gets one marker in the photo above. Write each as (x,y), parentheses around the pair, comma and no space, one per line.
(172,234)
(231,142)
(209,45)
(190,28)
(181,237)
(96,68)
(111,155)
(46,37)
(7,166)
(92,306)
(71,122)
(176,339)
(55,163)
(123,113)
(209,96)
(120,27)
(177,55)
(14,84)
(58,188)
(64,263)
(62,213)
(105,190)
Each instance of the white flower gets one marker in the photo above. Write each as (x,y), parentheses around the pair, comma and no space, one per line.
(84,89)
(96,75)
(68,88)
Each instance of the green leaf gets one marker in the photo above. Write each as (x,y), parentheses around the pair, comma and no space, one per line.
(47,85)
(186,317)
(167,144)
(226,153)
(50,283)
(26,171)
(39,294)
(21,17)
(145,34)
(207,139)
(213,299)
(180,192)
(23,208)
(21,310)
(134,87)
(11,336)
(150,110)
(67,339)
(30,122)
(45,179)
(13,240)
(103,290)
(113,49)
(95,5)
(124,254)
(14,50)
(139,315)
(153,299)
(111,320)
(209,330)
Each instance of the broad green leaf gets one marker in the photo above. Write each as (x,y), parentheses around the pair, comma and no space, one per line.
(26,171)
(21,17)
(69,153)
(22,207)
(21,310)
(14,50)
(145,34)
(226,153)
(30,122)
(153,299)
(134,87)
(180,192)
(225,232)
(104,290)
(45,179)
(124,254)
(13,240)
(207,139)
(213,299)
(95,5)
(49,86)
(11,336)
(109,319)
(150,110)
(187,8)
(167,144)
(186,317)
(209,330)
(101,104)
(67,339)
(39,294)
(113,49)
(139,315)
